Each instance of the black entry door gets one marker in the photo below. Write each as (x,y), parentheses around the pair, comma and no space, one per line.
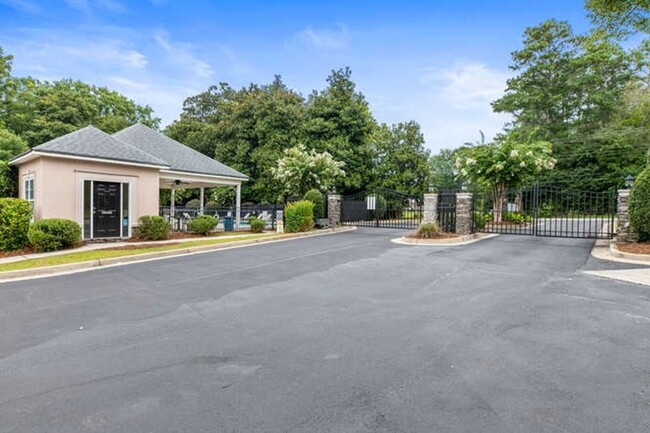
(106,210)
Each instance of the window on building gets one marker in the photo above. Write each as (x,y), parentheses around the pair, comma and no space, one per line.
(29,190)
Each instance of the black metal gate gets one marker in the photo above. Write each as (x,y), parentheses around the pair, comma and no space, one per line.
(446,211)
(381,208)
(541,210)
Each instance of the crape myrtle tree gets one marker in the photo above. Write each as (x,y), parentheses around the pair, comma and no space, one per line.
(506,163)
(300,170)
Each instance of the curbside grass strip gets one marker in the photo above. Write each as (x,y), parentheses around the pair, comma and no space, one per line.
(111,261)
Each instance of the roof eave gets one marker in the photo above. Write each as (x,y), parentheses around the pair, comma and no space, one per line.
(32,154)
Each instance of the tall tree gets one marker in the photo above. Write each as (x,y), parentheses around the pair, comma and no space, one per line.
(566,89)
(621,15)
(339,122)
(247,129)
(39,111)
(444,175)
(401,159)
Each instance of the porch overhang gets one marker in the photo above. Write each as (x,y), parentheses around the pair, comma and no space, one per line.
(187,180)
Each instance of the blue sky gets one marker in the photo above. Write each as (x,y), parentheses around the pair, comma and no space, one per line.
(437,62)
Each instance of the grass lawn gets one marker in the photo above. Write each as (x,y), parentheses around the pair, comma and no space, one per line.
(86,256)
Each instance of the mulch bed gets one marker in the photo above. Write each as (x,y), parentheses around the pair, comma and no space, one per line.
(441,235)
(635,248)
(20,252)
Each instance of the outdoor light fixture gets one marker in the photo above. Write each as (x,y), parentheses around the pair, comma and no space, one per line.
(431,187)
(629,181)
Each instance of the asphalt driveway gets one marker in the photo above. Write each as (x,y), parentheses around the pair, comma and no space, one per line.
(341,333)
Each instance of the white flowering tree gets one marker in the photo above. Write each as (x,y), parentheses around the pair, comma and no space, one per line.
(300,170)
(504,164)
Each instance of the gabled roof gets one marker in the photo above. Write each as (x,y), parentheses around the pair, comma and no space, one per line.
(178,156)
(90,142)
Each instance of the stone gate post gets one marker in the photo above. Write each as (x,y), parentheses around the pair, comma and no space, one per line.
(624,234)
(334,210)
(464,213)
(430,210)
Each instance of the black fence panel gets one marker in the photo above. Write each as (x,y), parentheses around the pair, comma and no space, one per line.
(446,211)
(549,211)
(180,216)
(381,208)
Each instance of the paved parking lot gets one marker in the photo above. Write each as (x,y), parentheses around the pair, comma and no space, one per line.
(340,333)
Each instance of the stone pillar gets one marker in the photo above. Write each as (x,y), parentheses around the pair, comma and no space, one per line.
(624,234)
(430,210)
(463,213)
(334,210)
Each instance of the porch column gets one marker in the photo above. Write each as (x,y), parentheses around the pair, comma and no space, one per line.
(238,206)
(172,208)
(201,194)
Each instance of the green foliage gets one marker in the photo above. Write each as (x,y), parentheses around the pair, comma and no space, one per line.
(338,120)
(481,219)
(428,231)
(211,205)
(195,202)
(15,216)
(316,197)
(8,180)
(299,216)
(620,16)
(247,129)
(153,228)
(300,170)
(516,218)
(639,206)
(54,234)
(401,159)
(203,224)
(257,225)
(39,111)
(443,171)
(10,145)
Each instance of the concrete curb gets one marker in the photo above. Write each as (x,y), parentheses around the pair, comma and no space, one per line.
(606,250)
(50,271)
(613,249)
(463,240)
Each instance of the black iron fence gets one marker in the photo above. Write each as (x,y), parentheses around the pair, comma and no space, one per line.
(447,211)
(381,208)
(549,211)
(180,216)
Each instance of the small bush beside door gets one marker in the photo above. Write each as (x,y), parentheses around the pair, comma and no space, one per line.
(152,227)
(54,234)
(203,224)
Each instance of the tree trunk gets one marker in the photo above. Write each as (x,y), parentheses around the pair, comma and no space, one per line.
(499,195)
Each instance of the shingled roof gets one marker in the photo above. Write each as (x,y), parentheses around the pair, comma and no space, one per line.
(178,156)
(90,142)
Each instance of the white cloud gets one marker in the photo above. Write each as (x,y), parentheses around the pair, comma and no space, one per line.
(465,85)
(182,55)
(324,38)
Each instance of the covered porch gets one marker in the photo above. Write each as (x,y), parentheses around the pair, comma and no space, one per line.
(179,215)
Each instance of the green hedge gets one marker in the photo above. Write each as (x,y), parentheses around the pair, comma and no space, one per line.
(203,224)
(15,216)
(195,202)
(316,197)
(54,234)
(299,216)
(639,206)
(152,227)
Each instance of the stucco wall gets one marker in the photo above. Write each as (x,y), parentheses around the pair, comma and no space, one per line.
(58,186)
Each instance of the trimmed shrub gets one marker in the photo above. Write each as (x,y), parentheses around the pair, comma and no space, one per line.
(299,216)
(195,202)
(54,234)
(639,206)
(257,225)
(316,197)
(516,217)
(481,219)
(203,224)
(15,216)
(211,205)
(153,228)
(428,231)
